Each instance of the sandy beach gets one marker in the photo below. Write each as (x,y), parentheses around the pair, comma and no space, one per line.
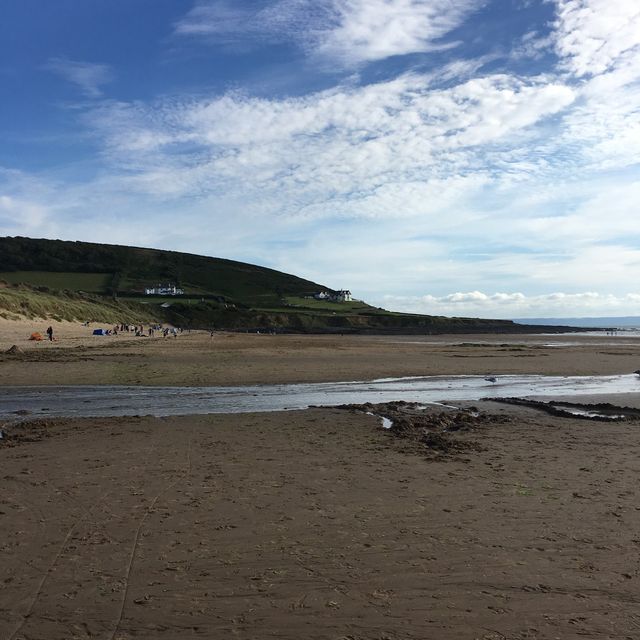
(318,523)
(193,359)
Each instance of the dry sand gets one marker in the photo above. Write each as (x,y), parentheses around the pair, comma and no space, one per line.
(316,524)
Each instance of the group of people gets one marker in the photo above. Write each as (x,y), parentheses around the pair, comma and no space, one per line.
(139,330)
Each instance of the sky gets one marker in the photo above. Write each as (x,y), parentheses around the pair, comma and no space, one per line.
(450,157)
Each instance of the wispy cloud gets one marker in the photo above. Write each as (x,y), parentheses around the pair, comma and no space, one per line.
(598,42)
(350,32)
(89,76)
(224,22)
(593,35)
(369,30)
(533,45)
(378,150)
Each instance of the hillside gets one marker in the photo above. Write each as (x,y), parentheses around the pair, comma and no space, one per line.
(114,269)
(81,280)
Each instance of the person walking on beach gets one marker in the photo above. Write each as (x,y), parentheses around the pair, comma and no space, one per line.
(50,333)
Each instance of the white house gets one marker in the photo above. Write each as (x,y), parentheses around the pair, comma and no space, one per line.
(344,295)
(340,296)
(164,290)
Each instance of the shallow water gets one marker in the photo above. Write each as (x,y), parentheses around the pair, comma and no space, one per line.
(622,338)
(584,413)
(85,401)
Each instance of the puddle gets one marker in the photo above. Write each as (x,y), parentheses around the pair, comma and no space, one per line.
(584,413)
(84,401)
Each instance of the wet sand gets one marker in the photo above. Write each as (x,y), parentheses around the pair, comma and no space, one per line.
(318,523)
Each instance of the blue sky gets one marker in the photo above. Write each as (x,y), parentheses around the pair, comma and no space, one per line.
(454,157)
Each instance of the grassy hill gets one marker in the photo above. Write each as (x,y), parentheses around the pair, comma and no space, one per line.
(113,269)
(82,280)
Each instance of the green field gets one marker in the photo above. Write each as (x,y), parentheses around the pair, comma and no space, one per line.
(354,306)
(89,282)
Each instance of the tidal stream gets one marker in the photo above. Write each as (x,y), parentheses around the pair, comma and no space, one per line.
(88,401)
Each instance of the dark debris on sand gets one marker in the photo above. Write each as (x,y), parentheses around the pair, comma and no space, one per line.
(438,434)
(54,354)
(22,432)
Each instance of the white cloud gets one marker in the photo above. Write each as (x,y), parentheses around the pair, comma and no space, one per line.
(390,149)
(532,45)
(606,120)
(592,35)
(89,76)
(350,32)
(370,30)
(598,42)
(214,18)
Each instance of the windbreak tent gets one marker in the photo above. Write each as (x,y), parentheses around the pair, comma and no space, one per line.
(35,336)
(99,332)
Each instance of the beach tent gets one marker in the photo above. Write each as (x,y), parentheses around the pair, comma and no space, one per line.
(99,332)
(36,336)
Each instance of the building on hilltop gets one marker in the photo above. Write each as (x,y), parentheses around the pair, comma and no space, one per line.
(164,290)
(343,295)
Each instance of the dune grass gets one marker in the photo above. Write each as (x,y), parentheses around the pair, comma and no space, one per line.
(20,301)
